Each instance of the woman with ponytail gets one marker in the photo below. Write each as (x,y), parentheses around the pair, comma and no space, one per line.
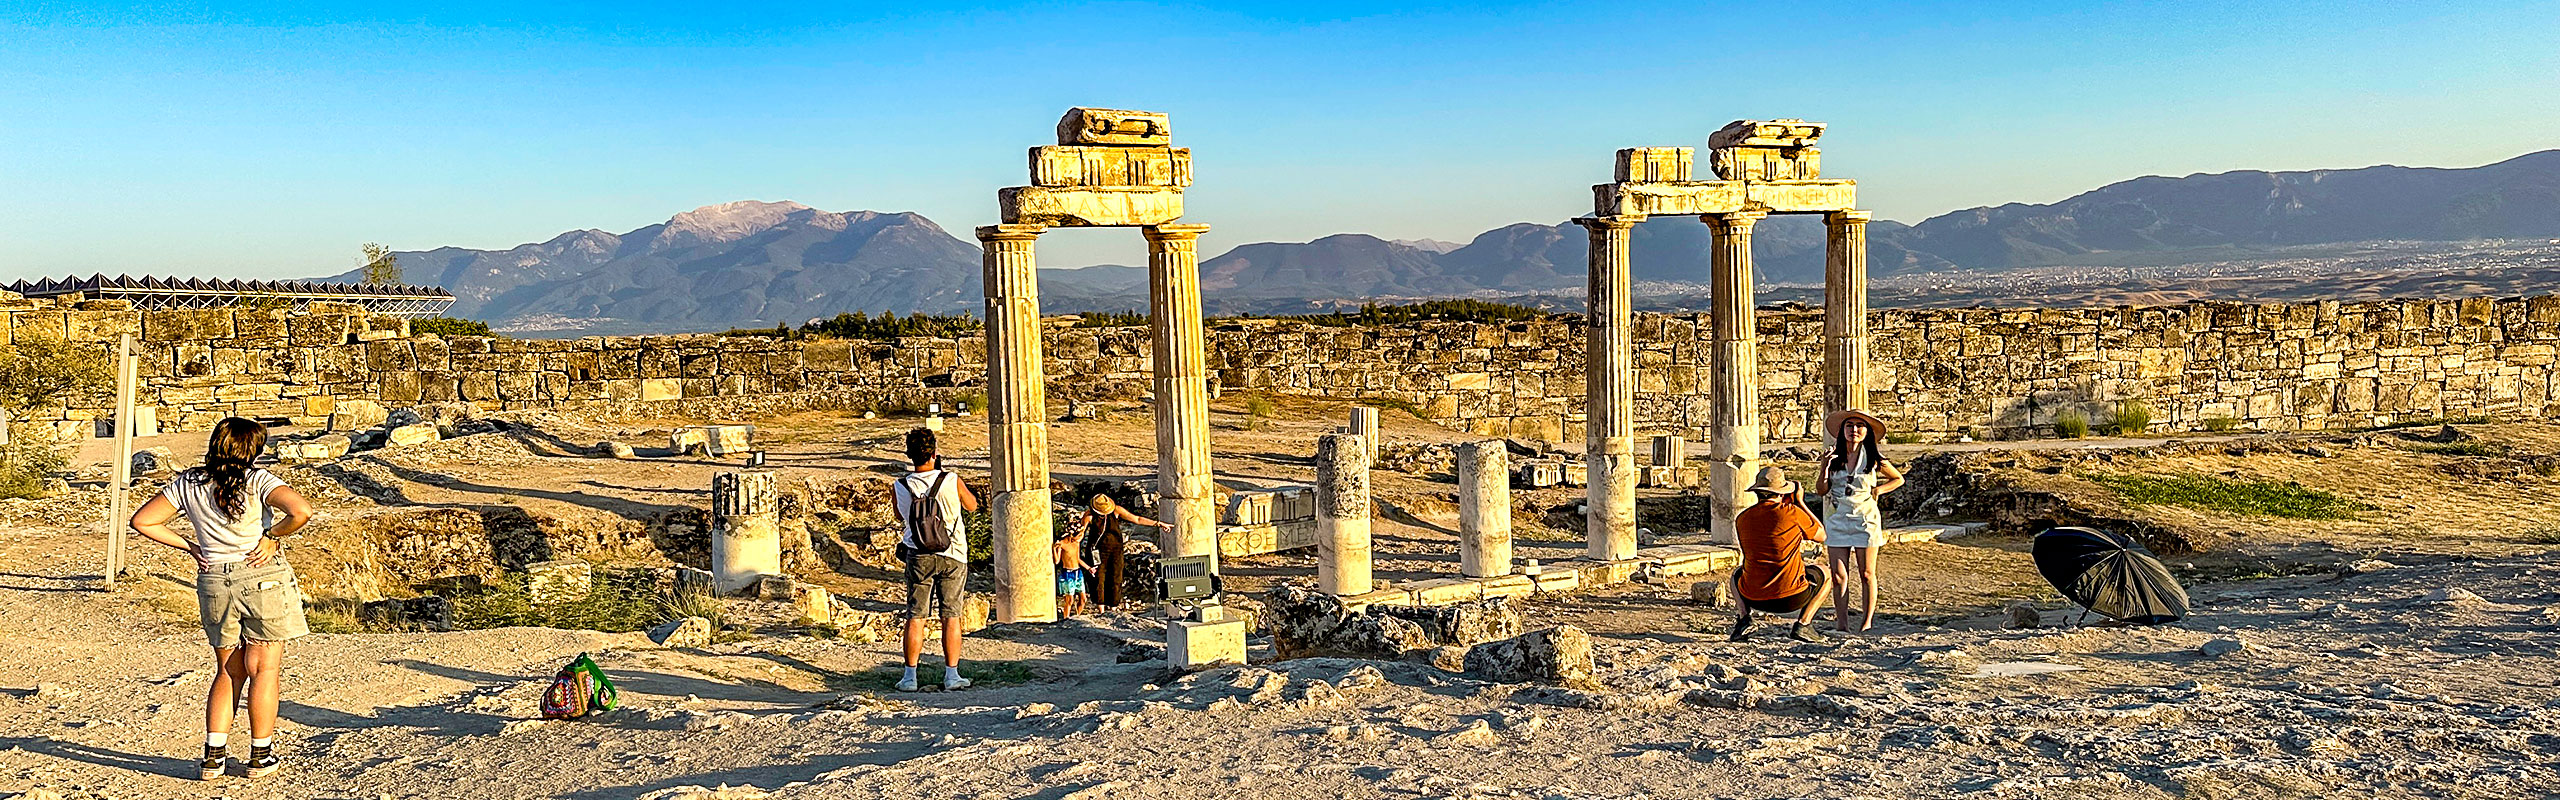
(246,594)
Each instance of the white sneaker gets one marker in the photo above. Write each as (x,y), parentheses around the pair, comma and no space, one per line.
(907,684)
(954,684)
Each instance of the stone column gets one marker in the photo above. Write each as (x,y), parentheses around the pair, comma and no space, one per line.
(1734,396)
(1190,501)
(1342,514)
(1609,514)
(1484,509)
(746,531)
(1017,428)
(1364,421)
(1844,312)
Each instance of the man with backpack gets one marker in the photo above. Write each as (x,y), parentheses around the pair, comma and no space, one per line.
(928,502)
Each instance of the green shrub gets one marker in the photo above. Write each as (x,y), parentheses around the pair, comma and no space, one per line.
(2230,495)
(2071,425)
(618,603)
(450,327)
(1260,407)
(1902,437)
(889,326)
(1112,319)
(2461,449)
(26,461)
(40,371)
(2221,423)
(2132,418)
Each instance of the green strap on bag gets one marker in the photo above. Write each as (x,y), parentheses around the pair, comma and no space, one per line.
(605,697)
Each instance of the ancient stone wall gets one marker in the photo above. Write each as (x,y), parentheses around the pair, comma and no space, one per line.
(1999,373)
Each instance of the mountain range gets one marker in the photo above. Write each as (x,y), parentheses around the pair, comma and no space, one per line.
(755,264)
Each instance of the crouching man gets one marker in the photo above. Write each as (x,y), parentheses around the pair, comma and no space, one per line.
(1774,576)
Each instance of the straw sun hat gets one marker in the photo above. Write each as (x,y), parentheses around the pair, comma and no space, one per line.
(1773,481)
(1831,424)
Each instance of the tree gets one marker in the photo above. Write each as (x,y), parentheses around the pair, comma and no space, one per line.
(39,371)
(380,264)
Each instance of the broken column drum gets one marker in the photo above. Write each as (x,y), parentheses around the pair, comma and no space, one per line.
(1761,168)
(1484,509)
(746,530)
(1110,169)
(1342,514)
(1364,421)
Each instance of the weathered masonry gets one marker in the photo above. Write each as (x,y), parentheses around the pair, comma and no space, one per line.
(1761,168)
(1995,372)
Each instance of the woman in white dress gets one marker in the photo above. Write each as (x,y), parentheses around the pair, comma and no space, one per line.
(1853,476)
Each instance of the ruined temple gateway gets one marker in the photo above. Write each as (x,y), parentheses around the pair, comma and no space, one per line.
(1113,169)
(1763,168)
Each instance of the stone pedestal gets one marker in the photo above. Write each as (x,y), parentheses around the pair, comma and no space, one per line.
(1190,502)
(1734,387)
(746,532)
(1195,645)
(1484,509)
(1844,312)
(1610,513)
(1017,431)
(1342,514)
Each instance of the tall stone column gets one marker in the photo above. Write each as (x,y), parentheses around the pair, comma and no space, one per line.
(746,530)
(1734,396)
(1342,514)
(1190,500)
(1844,311)
(1017,427)
(1609,514)
(1484,508)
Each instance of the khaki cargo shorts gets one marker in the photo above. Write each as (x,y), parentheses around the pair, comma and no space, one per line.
(238,602)
(935,580)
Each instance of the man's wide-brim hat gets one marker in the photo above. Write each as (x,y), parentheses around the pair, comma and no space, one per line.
(1831,424)
(1773,481)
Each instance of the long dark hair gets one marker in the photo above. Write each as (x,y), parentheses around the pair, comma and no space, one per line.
(235,443)
(1840,449)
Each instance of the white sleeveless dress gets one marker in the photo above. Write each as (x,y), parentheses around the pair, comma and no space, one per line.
(1849,514)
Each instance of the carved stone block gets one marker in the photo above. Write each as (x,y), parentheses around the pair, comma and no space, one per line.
(1088,207)
(1062,165)
(1766,133)
(1768,163)
(1110,126)
(1655,164)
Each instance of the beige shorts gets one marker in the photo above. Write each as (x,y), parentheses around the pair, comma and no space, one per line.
(236,601)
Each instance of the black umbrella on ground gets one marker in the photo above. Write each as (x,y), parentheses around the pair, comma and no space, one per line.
(2111,574)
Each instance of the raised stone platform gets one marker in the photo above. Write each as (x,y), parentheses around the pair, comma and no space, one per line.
(1668,561)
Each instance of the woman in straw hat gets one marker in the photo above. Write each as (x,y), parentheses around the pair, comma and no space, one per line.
(1853,476)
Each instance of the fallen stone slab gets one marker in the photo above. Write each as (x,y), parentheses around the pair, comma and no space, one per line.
(1561,654)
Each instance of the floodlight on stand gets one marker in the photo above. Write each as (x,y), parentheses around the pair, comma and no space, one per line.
(1189,583)
(755,458)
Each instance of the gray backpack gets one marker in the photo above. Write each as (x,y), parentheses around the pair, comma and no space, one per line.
(924,518)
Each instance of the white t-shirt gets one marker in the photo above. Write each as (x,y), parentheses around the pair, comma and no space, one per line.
(903,493)
(223,539)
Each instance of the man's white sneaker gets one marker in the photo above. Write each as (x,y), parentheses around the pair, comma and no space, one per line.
(954,684)
(907,684)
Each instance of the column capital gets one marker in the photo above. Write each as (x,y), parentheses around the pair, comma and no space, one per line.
(1609,221)
(1175,232)
(1010,233)
(1848,216)
(1734,220)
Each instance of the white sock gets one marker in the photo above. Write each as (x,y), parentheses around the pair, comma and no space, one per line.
(262,744)
(217,740)
(911,672)
(950,674)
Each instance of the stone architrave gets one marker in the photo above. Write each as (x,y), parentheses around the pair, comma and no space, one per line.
(1610,509)
(1342,514)
(1734,388)
(1017,430)
(746,530)
(1844,311)
(1484,508)
(1182,391)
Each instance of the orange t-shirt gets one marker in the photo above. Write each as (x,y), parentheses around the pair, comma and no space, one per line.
(1772,536)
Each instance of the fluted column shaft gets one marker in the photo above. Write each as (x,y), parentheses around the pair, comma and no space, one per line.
(1190,502)
(1734,401)
(1609,509)
(1844,311)
(1017,427)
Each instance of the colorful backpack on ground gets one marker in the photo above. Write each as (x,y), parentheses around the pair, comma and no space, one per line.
(578,690)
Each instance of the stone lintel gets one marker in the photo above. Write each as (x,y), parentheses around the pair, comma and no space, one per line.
(1089,207)
(1700,198)
(1084,165)
(1797,197)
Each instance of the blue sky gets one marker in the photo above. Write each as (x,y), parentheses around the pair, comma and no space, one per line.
(271,142)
